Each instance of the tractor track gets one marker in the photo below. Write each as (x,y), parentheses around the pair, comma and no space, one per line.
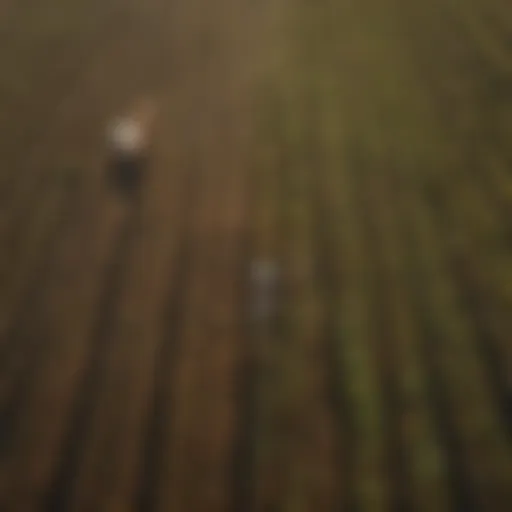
(60,491)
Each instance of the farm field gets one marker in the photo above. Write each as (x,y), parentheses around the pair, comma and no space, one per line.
(365,148)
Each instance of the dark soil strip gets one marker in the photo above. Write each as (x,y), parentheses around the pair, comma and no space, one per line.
(493,90)
(21,215)
(464,499)
(474,294)
(39,275)
(61,489)
(157,430)
(284,233)
(367,187)
(286,430)
(476,158)
(475,303)
(427,68)
(474,300)
(500,38)
(254,366)
(35,138)
(249,373)
(327,269)
(20,352)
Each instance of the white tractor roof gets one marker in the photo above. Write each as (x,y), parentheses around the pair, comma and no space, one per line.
(126,135)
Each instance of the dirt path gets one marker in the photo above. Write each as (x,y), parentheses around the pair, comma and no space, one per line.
(136,303)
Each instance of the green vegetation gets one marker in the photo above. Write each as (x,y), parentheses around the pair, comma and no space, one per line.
(385,116)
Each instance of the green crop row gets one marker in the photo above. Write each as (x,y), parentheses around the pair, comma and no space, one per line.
(350,96)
